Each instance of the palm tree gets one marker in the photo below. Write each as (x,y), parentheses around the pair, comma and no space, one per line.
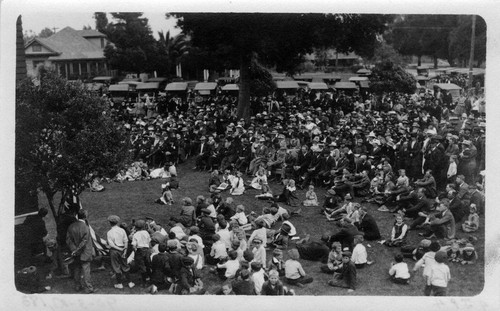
(175,49)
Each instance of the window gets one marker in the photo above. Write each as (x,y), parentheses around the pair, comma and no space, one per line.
(36,48)
(76,69)
(84,67)
(102,43)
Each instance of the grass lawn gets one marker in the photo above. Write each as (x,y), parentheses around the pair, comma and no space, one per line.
(134,200)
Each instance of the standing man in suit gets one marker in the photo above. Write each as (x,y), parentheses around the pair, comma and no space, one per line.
(79,242)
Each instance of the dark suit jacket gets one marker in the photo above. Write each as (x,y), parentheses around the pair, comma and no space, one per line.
(369,226)
(79,241)
(345,236)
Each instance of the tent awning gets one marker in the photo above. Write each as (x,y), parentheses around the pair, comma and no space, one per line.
(205,86)
(318,86)
(148,86)
(345,85)
(231,87)
(129,82)
(287,85)
(447,86)
(364,84)
(176,86)
(363,71)
(118,88)
(352,79)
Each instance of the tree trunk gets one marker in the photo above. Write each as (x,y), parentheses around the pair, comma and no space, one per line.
(243,110)
(451,61)
(435,62)
(21,71)
(50,199)
(419,62)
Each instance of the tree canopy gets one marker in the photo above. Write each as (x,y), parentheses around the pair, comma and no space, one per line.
(277,40)
(133,48)
(388,77)
(439,36)
(63,134)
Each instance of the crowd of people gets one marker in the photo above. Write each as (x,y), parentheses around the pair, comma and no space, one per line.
(416,156)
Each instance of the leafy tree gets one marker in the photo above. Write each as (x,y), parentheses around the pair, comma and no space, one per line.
(388,77)
(101,22)
(45,33)
(424,35)
(279,40)
(261,80)
(385,52)
(134,48)
(460,37)
(63,134)
(173,50)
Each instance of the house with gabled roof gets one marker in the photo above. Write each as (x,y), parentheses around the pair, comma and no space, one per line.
(74,54)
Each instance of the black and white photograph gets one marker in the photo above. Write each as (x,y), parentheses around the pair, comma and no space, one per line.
(333,153)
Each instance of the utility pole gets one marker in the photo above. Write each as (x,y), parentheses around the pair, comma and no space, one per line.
(471,59)
(54,29)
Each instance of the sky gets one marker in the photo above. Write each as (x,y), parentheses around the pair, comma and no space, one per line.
(36,21)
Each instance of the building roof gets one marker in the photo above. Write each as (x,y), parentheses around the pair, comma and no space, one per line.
(69,44)
(90,33)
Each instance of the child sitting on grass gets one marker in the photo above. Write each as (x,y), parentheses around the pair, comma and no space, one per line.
(398,233)
(359,253)
(294,273)
(217,252)
(399,271)
(274,287)
(266,193)
(346,277)
(453,253)
(334,262)
(226,289)
(311,197)
(472,222)
(166,197)
(259,251)
(469,255)
(227,270)
(240,216)
(276,263)
(258,276)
